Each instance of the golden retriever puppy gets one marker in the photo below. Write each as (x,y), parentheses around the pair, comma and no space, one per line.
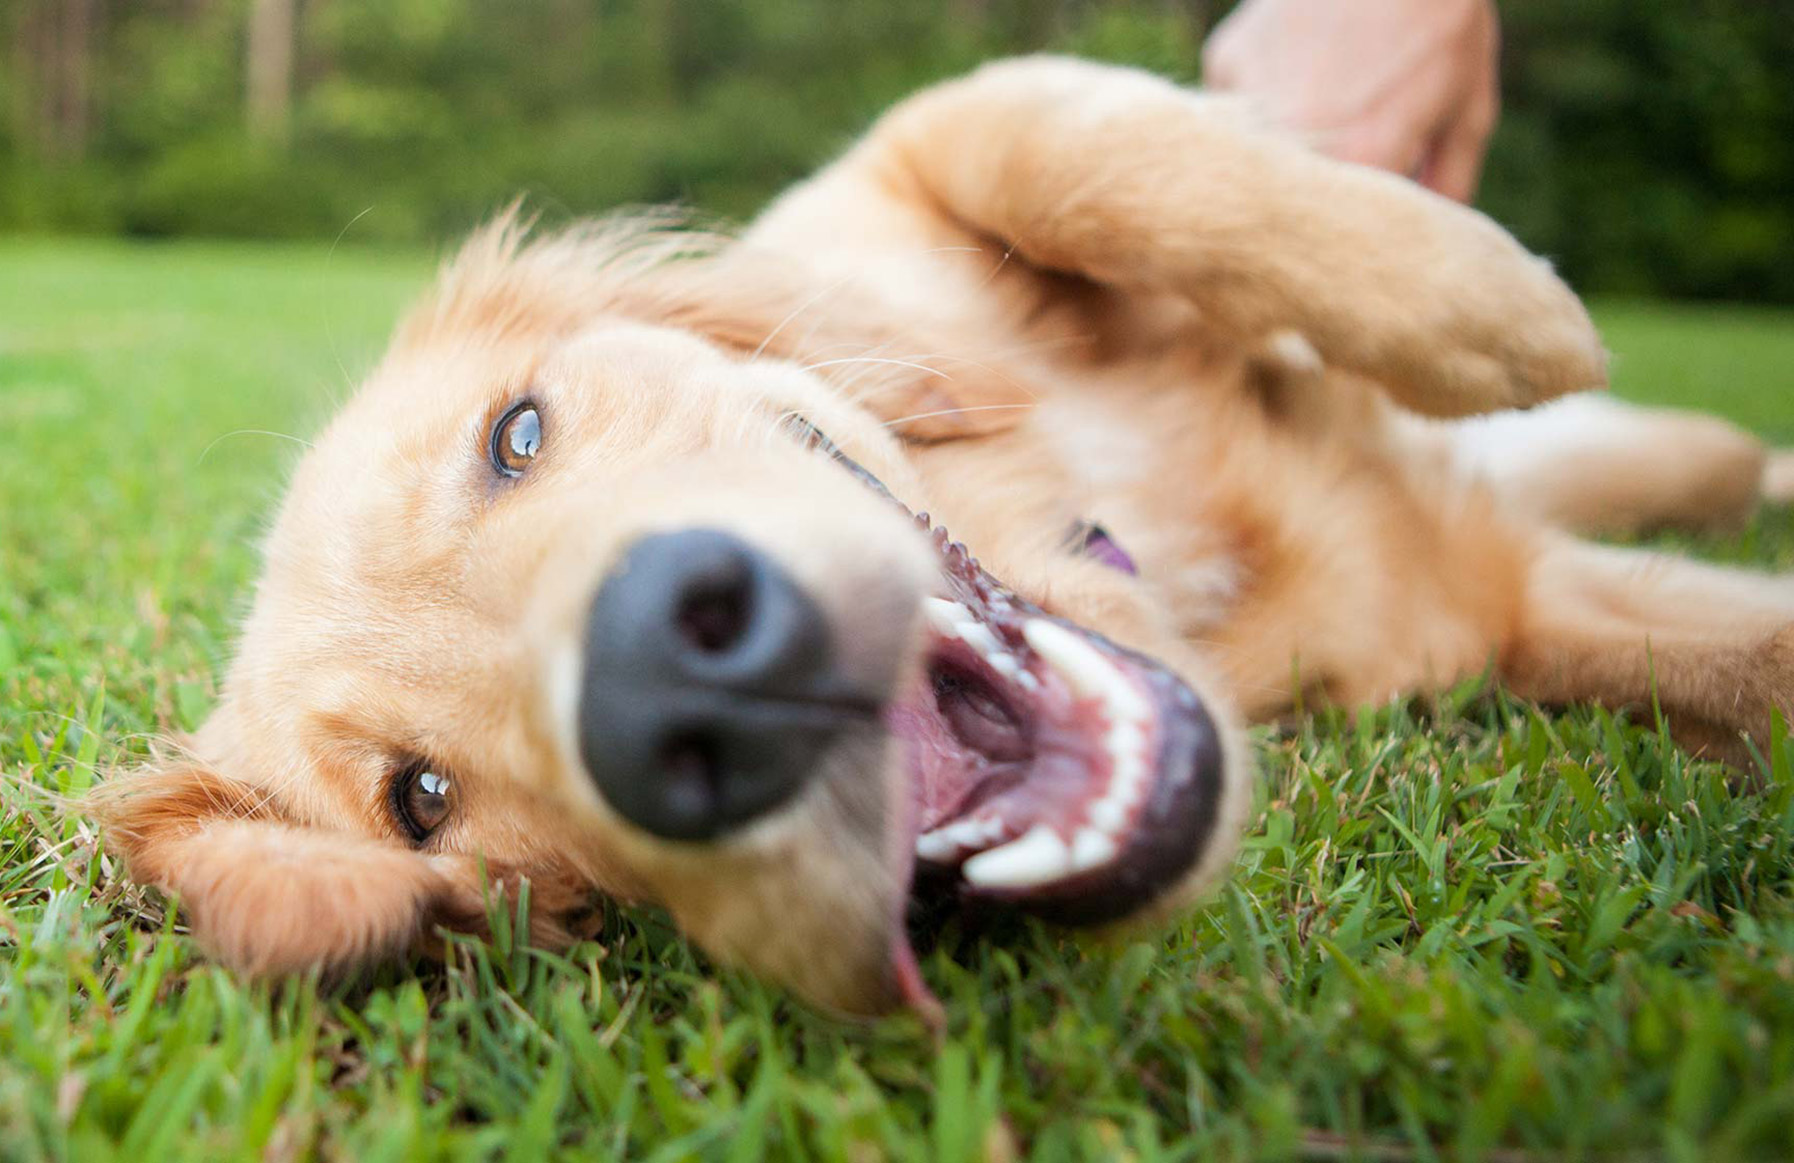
(936,536)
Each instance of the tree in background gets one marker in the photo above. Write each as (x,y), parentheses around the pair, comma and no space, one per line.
(268,70)
(53,58)
(1648,148)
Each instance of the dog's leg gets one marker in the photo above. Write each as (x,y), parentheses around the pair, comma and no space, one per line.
(1597,465)
(1137,184)
(1713,646)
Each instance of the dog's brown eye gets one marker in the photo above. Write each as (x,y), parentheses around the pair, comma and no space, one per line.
(516,439)
(421,801)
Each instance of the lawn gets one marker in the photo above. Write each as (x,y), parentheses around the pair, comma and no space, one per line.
(1461,929)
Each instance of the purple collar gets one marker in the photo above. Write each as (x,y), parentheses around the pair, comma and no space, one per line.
(1095,541)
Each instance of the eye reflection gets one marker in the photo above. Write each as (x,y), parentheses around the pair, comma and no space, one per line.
(516,439)
(421,800)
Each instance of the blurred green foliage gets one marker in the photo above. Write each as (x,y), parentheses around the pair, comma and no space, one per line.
(1647,146)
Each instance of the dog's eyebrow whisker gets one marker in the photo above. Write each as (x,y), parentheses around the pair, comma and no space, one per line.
(954,412)
(799,310)
(868,384)
(1024,389)
(810,367)
(873,376)
(306,444)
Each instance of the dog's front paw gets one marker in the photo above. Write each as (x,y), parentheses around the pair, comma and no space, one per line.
(1440,304)
(1508,332)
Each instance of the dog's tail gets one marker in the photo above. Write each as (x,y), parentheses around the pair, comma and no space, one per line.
(1778,477)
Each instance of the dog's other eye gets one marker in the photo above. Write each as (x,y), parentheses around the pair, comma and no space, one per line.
(815,438)
(811,435)
(516,439)
(420,799)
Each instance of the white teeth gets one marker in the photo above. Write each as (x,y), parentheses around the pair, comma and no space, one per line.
(937,845)
(1009,668)
(1085,669)
(945,616)
(1126,738)
(1093,676)
(1127,775)
(1091,848)
(1039,857)
(955,621)
(1109,814)
(949,840)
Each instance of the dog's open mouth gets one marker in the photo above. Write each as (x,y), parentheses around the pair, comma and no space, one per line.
(1053,771)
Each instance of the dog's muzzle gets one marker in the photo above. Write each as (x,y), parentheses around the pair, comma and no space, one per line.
(710,690)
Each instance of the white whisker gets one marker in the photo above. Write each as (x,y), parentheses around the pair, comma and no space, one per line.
(799,310)
(336,352)
(250,432)
(954,412)
(810,367)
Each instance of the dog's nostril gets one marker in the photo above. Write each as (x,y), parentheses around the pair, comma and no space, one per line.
(714,616)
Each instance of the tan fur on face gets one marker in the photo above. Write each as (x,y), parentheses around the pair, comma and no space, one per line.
(1049,293)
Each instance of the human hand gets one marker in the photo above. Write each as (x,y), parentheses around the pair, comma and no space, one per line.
(1404,85)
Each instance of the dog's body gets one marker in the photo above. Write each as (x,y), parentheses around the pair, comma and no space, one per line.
(1185,388)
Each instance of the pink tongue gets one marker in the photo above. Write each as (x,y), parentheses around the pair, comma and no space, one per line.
(912,989)
(1068,770)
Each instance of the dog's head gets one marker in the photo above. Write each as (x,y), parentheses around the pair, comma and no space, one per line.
(575,589)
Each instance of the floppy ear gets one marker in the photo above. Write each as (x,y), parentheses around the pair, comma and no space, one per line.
(265,895)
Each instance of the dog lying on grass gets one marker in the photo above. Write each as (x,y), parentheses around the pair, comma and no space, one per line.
(937,537)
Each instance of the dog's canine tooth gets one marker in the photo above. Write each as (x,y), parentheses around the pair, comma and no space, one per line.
(1092,848)
(1086,671)
(1038,857)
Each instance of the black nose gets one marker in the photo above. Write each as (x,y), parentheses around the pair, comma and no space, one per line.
(709,689)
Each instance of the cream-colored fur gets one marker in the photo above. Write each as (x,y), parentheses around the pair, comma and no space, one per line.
(1049,292)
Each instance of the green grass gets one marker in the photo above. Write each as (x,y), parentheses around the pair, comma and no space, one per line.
(1461,929)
